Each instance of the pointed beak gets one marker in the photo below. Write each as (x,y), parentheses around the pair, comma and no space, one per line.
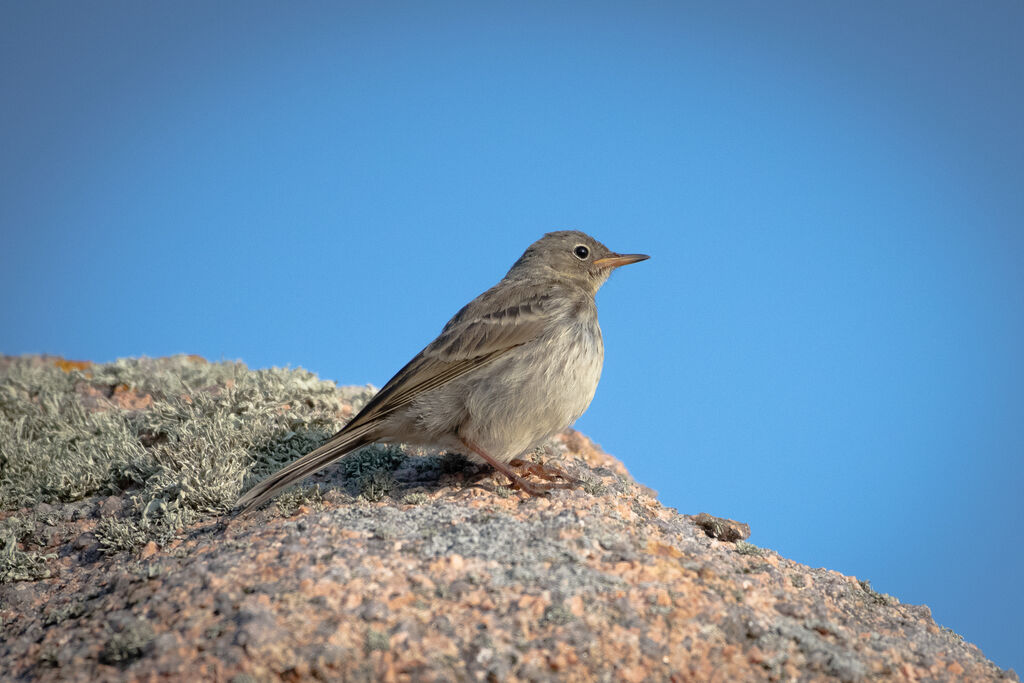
(616,260)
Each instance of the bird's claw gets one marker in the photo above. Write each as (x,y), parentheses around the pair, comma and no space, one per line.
(549,474)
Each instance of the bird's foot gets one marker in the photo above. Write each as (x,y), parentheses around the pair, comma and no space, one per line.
(547,473)
(533,488)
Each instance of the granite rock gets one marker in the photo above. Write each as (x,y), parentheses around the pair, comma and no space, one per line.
(450,575)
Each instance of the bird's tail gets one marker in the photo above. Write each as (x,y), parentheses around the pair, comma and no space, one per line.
(340,444)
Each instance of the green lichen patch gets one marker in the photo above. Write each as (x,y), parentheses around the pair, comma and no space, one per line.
(744,548)
(370,471)
(415,498)
(17,563)
(876,597)
(128,644)
(289,502)
(194,435)
(53,448)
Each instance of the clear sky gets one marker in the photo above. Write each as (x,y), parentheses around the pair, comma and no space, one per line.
(826,343)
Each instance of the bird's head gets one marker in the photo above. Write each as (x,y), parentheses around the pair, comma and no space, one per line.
(572,256)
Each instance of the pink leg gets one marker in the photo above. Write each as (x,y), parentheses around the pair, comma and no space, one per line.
(517,481)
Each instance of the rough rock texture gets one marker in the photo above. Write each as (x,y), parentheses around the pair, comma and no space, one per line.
(428,568)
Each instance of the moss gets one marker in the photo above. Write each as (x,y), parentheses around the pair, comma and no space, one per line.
(951,633)
(289,502)
(71,610)
(594,486)
(875,596)
(370,469)
(128,644)
(115,534)
(16,563)
(415,498)
(376,485)
(372,459)
(52,447)
(211,429)
(744,548)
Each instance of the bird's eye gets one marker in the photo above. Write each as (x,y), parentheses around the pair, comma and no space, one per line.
(581,252)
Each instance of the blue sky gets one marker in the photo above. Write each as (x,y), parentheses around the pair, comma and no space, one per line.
(826,344)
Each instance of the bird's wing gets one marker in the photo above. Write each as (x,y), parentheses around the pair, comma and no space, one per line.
(483,331)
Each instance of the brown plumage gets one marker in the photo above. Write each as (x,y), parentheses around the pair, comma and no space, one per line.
(515,366)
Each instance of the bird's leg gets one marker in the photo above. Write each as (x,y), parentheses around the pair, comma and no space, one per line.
(545,472)
(531,488)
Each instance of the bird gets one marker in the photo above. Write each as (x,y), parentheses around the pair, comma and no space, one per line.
(515,366)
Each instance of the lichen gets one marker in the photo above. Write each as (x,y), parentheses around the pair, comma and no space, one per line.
(209,430)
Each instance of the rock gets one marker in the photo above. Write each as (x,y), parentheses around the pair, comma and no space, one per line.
(111,506)
(447,577)
(728,530)
(86,542)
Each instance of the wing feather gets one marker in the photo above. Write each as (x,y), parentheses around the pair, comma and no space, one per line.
(480,333)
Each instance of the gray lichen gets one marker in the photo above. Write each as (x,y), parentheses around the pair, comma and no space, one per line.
(211,429)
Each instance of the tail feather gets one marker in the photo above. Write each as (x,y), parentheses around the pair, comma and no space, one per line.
(339,445)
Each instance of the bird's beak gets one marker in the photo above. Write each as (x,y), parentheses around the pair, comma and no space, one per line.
(616,260)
